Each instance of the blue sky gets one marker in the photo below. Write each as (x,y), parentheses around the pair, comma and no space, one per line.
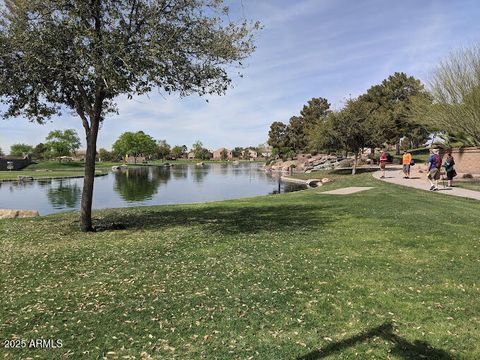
(308,48)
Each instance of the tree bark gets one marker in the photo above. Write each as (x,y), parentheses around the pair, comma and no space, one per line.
(88,180)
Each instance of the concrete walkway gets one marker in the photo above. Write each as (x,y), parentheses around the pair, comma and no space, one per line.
(345,191)
(395,176)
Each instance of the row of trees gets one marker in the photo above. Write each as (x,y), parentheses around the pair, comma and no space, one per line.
(57,143)
(65,143)
(288,140)
(400,111)
(383,115)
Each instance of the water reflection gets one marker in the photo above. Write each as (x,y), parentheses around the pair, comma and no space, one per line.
(140,184)
(180,184)
(66,195)
(179,172)
(199,172)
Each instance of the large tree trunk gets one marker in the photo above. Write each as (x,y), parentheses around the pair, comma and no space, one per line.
(397,148)
(87,194)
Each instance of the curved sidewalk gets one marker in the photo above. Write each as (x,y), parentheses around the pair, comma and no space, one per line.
(395,176)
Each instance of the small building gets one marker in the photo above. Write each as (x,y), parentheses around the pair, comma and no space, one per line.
(252,154)
(132,160)
(191,155)
(66,159)
(217,154)
(80,155)
(267,151)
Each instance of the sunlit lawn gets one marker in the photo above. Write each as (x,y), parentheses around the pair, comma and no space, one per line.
(388,273)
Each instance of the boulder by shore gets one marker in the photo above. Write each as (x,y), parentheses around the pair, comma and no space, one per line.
(308,163)
(13,214)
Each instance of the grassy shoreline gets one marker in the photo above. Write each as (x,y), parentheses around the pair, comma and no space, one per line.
(269,277)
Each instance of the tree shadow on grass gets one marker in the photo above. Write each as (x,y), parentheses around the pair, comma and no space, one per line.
(225,219)
(401,347)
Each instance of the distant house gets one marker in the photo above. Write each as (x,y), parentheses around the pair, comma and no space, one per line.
(79,155)
(217,154)
(267,151)
(66,159)
(132,160)
(252,154)
(191,155)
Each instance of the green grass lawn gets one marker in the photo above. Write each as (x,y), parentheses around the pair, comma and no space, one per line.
(472,185)
(38,174)
(70,166)
(46,169)
(388,273)
(55,165)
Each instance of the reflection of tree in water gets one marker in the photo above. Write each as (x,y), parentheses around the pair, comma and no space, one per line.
(18,185)
(179,172)
(224,169)
(44,182)
(140,184)
(286,187)
(65,195)
(199,172)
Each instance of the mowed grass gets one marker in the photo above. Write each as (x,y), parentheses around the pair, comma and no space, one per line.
(49,169)
(472,184)
(387,273)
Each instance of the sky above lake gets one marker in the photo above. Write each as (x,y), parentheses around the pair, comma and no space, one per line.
(309,48)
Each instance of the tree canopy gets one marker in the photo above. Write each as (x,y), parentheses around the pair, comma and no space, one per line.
(455,89)
(178,151)
(315,110)
(163,149)
(390,107)
(199,151)
(347,129)
(277,136)
(81,55)
(21,150)
(62,142)
(294,137)
(135,144)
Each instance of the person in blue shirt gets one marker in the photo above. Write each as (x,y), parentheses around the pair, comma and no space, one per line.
(434,165)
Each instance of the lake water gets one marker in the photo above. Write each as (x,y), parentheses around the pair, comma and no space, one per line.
(180,184)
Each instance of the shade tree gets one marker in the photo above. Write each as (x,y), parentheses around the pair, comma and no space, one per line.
(178,151)
(163,149)
(135,144)
(21,150)
(82,55)
(390,107)
(62,142)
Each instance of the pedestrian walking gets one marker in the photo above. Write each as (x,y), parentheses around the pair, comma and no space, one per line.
(383,163)
(406,162)
(434,165)
(449,168)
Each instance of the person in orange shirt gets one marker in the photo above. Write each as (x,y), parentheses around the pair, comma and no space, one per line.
(406,161)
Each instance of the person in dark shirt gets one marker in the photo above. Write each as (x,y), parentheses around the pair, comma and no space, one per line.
(434,164)
(449,168)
